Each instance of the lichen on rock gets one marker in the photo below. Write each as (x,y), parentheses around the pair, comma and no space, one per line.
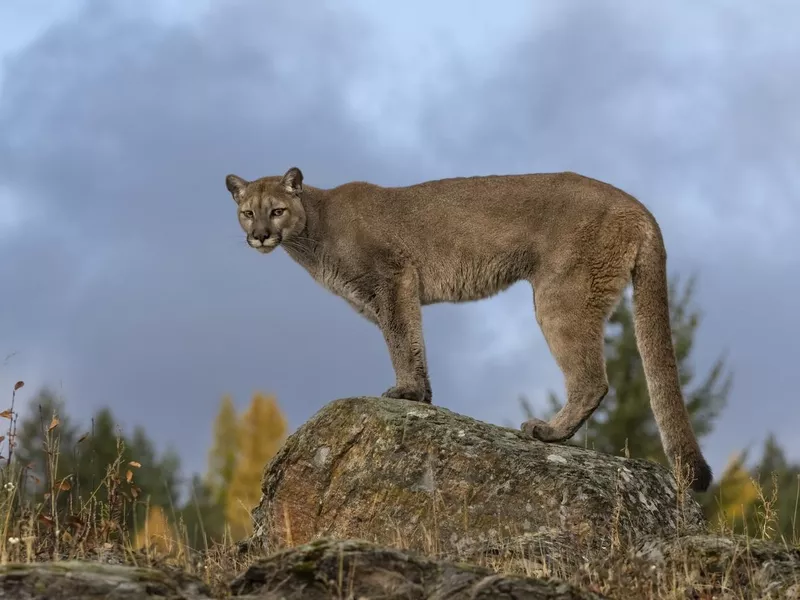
(72,580)
(327,569)
(762,568)
(425,478)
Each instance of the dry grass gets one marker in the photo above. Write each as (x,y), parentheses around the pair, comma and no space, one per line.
(50,530)
(48,526)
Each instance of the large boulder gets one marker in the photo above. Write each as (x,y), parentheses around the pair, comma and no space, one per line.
(422,477)
(328,569)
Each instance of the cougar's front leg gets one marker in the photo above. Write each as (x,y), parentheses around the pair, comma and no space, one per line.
(400,319)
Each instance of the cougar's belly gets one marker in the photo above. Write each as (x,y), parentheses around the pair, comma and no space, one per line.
(465,281)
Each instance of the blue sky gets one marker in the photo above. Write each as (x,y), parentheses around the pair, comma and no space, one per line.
(120,121)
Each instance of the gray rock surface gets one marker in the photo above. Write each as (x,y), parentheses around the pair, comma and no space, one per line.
(746,567)
(422,477)
(328,569)
(78,580)
(698,567)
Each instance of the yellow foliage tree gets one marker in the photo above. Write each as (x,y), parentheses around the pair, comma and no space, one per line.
(262,431)
(735,492)
(157,533)
(224,451)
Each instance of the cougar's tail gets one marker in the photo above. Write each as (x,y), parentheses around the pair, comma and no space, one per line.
(654,340)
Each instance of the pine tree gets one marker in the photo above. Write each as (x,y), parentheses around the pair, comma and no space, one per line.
(71,466)
(158,478)
(202,517)
(624,423)
(779,483)
(224,451)
(262,431)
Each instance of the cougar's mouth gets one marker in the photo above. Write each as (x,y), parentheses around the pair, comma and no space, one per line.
(266,246)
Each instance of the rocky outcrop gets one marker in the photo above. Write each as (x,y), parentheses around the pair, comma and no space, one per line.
(73,580)
(695,567)
(742,566)
(324,569)
(328,569)
(422,477)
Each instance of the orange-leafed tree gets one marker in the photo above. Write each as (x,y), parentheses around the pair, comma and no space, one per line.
(224,452)
(156,533)
(262,431)
(733,494)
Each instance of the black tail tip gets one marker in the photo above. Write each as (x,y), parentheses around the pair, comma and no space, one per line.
(701,475)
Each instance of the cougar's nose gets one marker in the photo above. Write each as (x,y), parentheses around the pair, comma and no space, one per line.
(261,236)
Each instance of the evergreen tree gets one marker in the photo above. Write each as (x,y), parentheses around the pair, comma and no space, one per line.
(779,483)
(262,431)
(158,478)
(114,475)
(624,423)
(47,448)
(202,516)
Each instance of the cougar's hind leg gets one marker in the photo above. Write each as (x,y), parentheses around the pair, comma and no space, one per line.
(572,314)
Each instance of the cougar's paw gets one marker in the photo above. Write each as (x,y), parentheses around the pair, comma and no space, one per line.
(539,430)
(404,392)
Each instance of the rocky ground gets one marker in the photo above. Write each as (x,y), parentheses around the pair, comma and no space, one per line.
(379,498)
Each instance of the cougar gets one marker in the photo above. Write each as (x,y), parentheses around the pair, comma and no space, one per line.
(388,251)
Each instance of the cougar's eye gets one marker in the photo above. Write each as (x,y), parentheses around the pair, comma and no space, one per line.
(248,214)
(277,212)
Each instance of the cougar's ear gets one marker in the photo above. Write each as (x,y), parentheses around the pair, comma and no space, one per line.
(292,182)
(236,186)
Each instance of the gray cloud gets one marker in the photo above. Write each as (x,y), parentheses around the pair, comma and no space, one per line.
(131,282)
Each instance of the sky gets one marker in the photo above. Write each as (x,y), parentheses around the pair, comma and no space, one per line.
(127,281)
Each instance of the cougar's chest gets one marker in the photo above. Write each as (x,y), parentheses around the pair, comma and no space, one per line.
(352,287)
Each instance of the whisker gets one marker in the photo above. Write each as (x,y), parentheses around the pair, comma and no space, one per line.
(300,251)
(297,239)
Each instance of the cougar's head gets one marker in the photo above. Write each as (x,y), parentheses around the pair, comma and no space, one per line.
(270,210)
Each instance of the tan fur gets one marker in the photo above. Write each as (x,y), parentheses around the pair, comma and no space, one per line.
(578,241)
